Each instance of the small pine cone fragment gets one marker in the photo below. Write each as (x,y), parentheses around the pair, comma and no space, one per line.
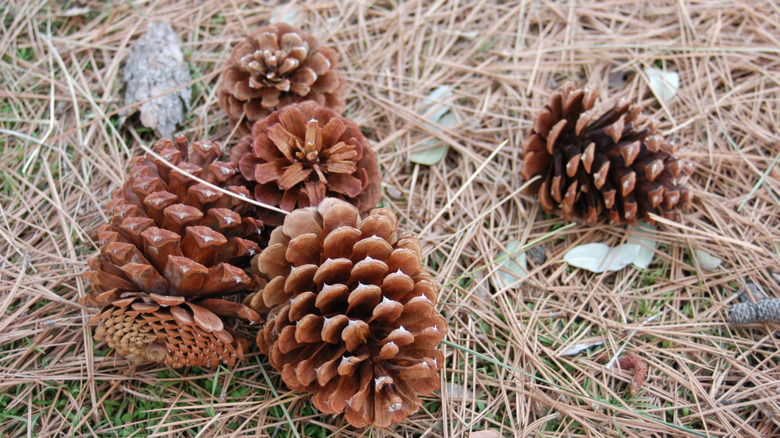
(171,246)
(277,65)
(351,313)
(766,310)
(631,362)
(303,153)
(591,165)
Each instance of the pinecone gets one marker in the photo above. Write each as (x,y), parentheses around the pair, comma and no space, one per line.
(350,312)
(303,153)
(277,65)
(171,246)
(615,163)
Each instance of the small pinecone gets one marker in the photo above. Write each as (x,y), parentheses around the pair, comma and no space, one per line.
(171,245)
(350,312)
(305,152)
(277,65)
(590,164)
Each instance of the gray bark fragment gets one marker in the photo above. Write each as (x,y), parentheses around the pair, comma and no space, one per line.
(155,66)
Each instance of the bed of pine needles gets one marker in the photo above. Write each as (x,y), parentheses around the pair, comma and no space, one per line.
(63,152)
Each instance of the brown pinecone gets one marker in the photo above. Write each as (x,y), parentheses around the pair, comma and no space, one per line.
(614,163)
(172,244)
(277,65)
(303,153)
(350,312)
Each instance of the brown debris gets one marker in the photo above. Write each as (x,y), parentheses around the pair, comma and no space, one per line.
(351,313)
(628,362)
(303,153)
(277,65)
(593,165)
(171,246)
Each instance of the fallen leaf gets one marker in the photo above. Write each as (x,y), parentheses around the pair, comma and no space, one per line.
(663,83)
(643,235)
(456,391)
(580,347)
(155,66)
(481,291)
(598,257)
(438,113)
(392,191)
(435,103)
(707,261)
(284,14)
(428,153)
(77,11)
(485,434)
(512,267)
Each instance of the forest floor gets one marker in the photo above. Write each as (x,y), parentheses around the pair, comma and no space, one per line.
(509,366)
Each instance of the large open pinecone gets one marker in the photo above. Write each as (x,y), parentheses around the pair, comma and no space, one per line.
(277,65)
(350,312)
(590,164)
(172,245)
(305,152)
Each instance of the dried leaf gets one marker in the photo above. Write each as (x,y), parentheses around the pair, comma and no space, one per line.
(485,434)
(707,261)
(285,14)
(663,83)
(580,347)
(644,235)
(433,107)
(76,11)
(598,257)
(456,391)
(435,103)
(428,153)
(155,66)
(513,267)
